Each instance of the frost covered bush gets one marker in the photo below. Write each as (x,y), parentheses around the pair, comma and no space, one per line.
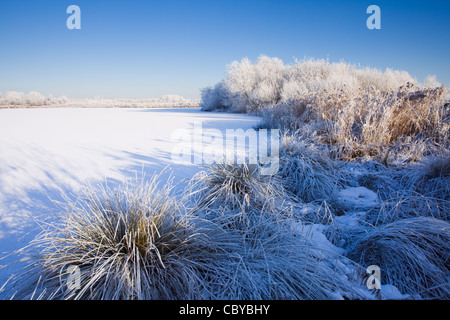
(215,98)
(247,86)
(32,99)
(251,86)
(358,112)
(404,205)
(311,179)
(13,98)
(35,99)
(237,186)
(268,81)
(430,177)
(306,172)
(412,253)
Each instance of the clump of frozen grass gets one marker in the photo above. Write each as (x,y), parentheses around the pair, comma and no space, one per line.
(413,255)
(439,167)
(402,205)
(430,177)
(376,177)
(278,263)
(138,242)
(237,186)
(380,183)
(309,177)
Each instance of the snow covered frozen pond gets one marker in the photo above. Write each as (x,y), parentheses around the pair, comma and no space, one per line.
(47,152)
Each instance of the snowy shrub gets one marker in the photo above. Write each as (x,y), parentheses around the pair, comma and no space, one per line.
(63,100)
(252,86)
(173,98)
(293,89)
(403,205)
(237,186)
(431,82)
(35,99)
(383,81)
(214,98)
(14,98)
(307,173)
(248,87)
(379,182)
(412,254)
(133,243)
(359,112)
(430,177)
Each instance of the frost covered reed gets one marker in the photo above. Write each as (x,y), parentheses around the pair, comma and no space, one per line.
(356,112)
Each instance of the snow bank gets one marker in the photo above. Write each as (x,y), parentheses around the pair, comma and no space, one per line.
(356,198)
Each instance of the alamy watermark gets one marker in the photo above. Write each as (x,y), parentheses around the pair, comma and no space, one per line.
(204,146)
(70,278)
(374,279)
(74,20)
(374,21)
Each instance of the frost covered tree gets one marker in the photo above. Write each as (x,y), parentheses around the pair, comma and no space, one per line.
(214,98)
(35,99)
(249,87)
(14,98)
(252,86)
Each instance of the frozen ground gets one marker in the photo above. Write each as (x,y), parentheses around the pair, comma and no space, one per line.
(45,153)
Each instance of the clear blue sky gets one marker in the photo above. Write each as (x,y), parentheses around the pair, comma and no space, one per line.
(148,48)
